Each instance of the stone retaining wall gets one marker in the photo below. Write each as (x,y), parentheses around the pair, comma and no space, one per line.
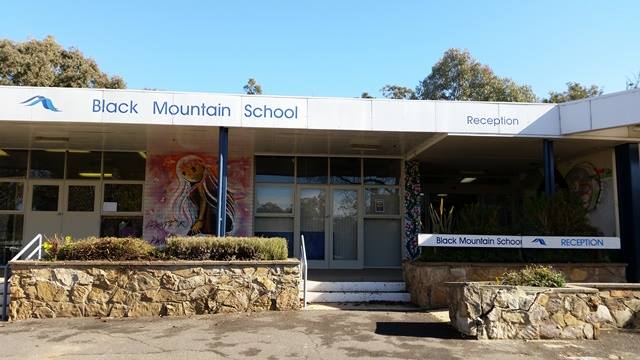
(425,280)
(40,289)
(487,311)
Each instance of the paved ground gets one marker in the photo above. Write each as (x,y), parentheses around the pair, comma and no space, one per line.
(314,334)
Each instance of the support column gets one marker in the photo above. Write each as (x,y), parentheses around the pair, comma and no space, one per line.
(223,152)
(549,167)
(628,181)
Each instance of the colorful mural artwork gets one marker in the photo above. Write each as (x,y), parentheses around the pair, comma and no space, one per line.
(413,214)
(182,196)
(586,181)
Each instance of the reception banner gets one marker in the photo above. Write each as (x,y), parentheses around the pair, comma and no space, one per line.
(516,241)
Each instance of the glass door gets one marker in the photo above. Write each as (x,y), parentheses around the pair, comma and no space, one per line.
(346,241)
(312,202)
(81,210)
(43,213)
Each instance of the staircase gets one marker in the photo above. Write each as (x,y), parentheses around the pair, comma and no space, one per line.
(356,292)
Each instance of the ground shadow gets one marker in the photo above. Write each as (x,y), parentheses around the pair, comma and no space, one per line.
(438,330)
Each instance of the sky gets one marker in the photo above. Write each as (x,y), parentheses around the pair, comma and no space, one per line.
(337,48)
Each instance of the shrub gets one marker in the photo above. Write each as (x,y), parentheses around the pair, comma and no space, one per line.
(560,214)
(479,219)
(94,248)
(540,276)
(226,248)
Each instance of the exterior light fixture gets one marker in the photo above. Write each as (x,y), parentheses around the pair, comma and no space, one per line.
(95,175)
(467,180)
(3,153)
(142,154)
(442,195)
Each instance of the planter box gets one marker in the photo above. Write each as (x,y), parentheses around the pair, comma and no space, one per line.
(578,311)
(425,280)
(487,311)
(40,289)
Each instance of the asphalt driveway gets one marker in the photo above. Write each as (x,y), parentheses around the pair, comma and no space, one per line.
(312,334)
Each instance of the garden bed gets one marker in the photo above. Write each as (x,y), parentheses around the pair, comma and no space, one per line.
(490,311)
(46,289)
(426,280)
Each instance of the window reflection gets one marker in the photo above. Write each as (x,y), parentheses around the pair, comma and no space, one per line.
(345,171)
(47,164)
(274,199)
(381,201)
(11,196)
(312,170)
(13,163)
(274,169)
(382,171)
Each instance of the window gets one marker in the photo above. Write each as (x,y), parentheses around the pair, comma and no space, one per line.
(121,226)
(47,164)
(312,170)
(381,201)
(382,171)
(45,197)
(274,169)
(13,163)
(81,198)
(122,198)
(83,165)
(10,235)
(11,196)
(124,165)
(274,199)
(345,171)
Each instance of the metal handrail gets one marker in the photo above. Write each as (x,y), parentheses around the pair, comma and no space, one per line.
(303,258)
(7,270)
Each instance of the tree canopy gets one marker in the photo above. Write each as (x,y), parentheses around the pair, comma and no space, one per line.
(252,87)
(575,91)
(47,63)
(397,92)
(459,76)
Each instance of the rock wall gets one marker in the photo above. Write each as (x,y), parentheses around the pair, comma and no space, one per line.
(425,280)
(487,311)
(41,289)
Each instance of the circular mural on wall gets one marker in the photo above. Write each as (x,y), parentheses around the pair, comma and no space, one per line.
(584,181)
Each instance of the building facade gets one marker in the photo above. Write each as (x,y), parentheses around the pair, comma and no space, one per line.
(353,176)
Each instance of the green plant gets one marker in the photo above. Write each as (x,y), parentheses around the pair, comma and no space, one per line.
(99,249)
(226,248)
(441,219)
(537,275)
(560,214)
(479,219)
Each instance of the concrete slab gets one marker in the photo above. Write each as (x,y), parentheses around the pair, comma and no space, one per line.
(285,335)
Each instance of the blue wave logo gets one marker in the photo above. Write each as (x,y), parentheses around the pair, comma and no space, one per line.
(38,99)
(539,241)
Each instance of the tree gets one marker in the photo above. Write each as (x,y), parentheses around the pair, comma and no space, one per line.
(634,82)
(252,87)
(366,95)
(47,63)
(575,91)
(397,92)
(459,76)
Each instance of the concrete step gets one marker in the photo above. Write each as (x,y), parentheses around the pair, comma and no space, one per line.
(356,297)
(356,286)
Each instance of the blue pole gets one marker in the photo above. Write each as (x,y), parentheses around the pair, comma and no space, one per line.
(5,295)
(223,152)
(549,167)
(628,181)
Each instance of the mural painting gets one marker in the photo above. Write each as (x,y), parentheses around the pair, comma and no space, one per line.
(182,196)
